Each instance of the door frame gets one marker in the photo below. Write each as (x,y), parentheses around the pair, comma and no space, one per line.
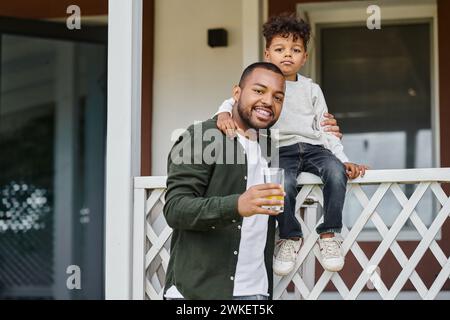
(393,12)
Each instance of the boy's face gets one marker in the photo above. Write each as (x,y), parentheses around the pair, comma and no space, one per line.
(287,54)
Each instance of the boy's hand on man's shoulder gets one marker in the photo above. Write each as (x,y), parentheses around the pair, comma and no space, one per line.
(226,124)
(354,170)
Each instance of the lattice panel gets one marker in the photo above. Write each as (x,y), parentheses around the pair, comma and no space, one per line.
(389,242)
(157,235)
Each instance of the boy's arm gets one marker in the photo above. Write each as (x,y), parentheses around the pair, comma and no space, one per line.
(353,170)
(335,146)
(188,178)
(320,107)
(224,115)
(226,106)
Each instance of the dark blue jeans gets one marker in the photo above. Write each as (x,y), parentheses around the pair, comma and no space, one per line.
(315,159)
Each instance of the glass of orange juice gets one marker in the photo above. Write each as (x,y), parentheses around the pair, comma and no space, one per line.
(274,175)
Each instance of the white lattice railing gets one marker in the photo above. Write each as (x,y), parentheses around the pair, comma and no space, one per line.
(151,236)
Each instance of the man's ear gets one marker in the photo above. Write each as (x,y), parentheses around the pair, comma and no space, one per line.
(236,93)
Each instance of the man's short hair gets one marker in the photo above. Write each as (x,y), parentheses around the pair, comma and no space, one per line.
(285,25)
(258,65)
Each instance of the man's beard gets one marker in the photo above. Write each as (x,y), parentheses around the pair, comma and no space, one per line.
(246,118)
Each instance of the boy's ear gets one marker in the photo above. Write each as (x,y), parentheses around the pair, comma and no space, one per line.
(266,55)
(305,59)
(236,93)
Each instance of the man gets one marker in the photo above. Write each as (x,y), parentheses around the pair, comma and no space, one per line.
(223,240)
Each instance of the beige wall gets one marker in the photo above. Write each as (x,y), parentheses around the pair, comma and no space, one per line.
(191,79)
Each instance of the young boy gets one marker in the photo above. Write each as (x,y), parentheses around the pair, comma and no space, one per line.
(304,146)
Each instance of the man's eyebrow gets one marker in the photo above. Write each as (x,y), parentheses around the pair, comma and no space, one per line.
(260,85)
(265,87)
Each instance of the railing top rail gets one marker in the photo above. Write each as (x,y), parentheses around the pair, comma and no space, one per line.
(406,176)
(371,177)
(152,182)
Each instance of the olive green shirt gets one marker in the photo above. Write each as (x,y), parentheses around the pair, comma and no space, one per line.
(201,207)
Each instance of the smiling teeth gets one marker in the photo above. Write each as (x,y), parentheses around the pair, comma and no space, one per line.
(263,112)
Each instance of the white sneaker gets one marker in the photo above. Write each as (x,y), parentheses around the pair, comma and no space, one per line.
(284,261)
(332,258)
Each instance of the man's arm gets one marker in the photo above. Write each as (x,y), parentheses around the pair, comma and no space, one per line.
(330,125)
(186,207)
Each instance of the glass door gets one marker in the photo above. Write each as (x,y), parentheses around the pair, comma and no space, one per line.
(52,163)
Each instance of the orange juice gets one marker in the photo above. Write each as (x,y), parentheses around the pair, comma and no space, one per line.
(277,208)
(274,175)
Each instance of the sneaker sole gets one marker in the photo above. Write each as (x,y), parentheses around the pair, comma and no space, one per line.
(283,273)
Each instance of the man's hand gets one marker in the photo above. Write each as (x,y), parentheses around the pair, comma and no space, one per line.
(250,201)
(226,124)
(330,124)
(353,170)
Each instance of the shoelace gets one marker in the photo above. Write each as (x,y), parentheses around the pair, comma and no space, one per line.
(287,250)
(331,247)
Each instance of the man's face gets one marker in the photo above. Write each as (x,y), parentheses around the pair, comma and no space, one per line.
(287,54)
(260,99)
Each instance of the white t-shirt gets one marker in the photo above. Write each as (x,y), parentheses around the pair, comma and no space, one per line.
(251,275)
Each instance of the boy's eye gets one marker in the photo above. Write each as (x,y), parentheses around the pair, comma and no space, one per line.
(297,50)
(278,49)
(257,91)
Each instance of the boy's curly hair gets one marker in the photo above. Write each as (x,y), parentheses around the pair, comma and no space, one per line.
(285,25)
